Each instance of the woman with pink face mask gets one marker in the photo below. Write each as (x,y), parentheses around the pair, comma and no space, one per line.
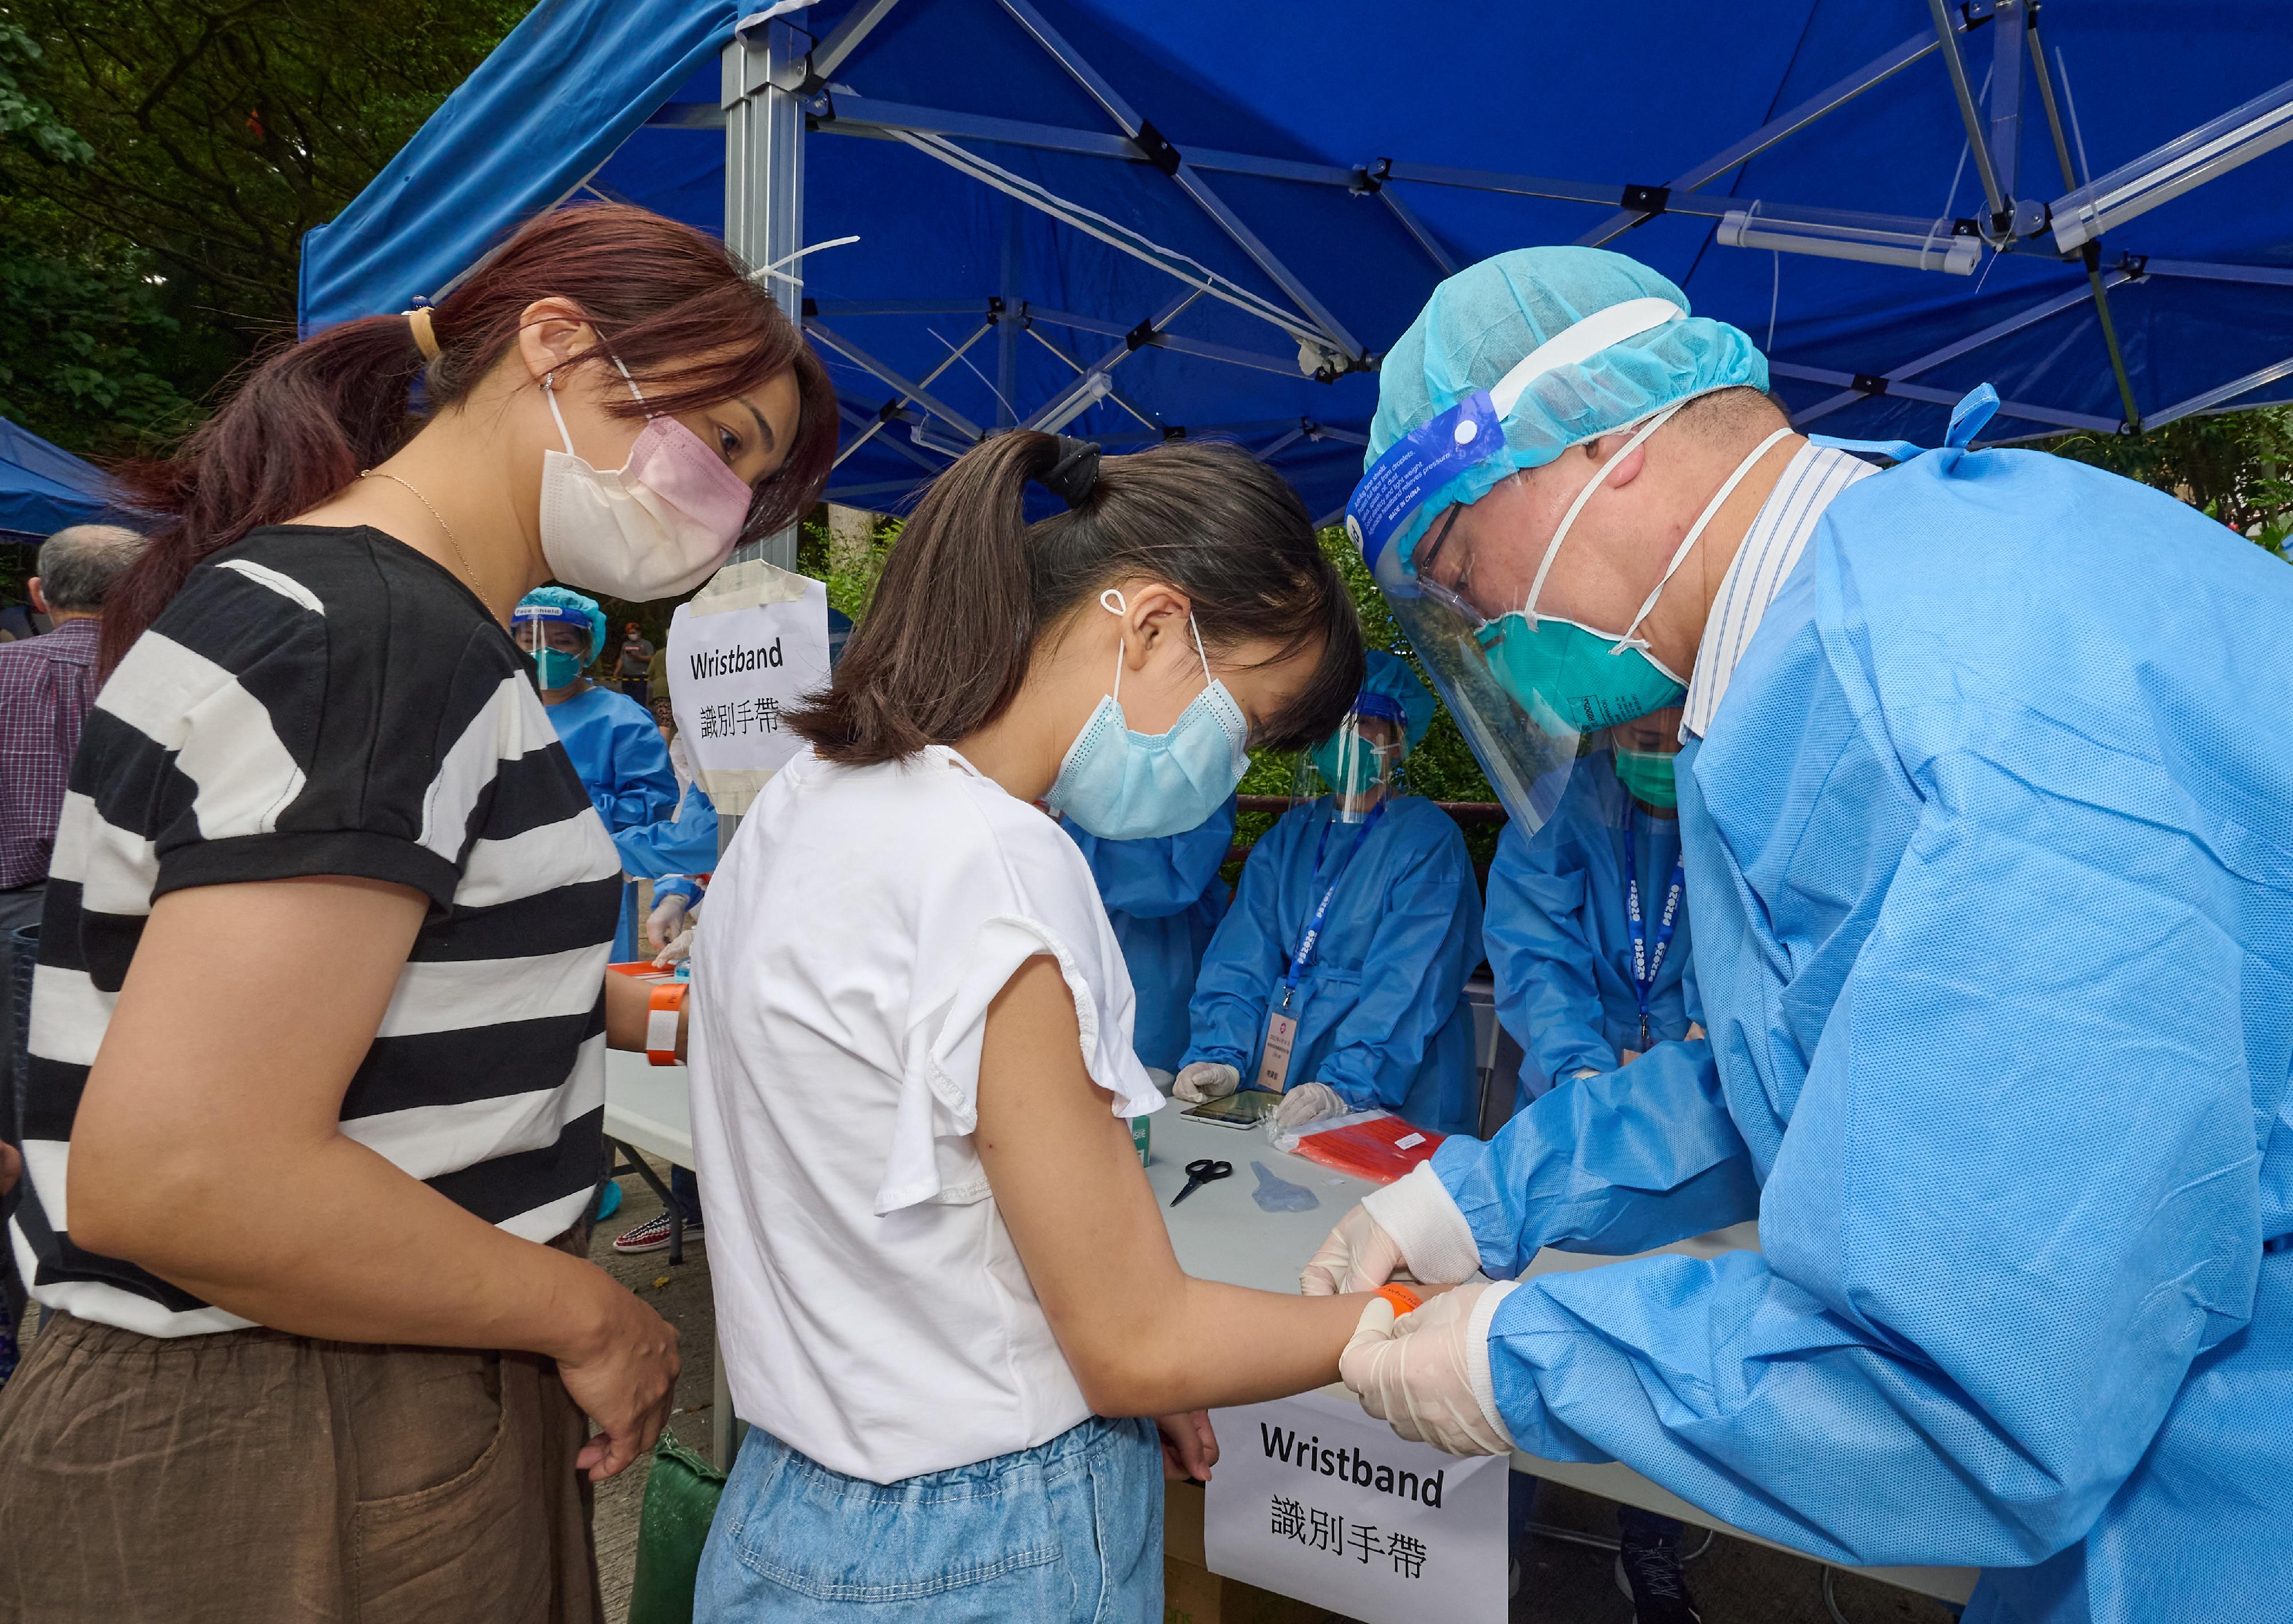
(330,911)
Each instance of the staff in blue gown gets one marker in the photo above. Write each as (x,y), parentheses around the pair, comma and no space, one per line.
(1984,805)
(1583,985)
(1376,997)
(617,749)
(1164,898)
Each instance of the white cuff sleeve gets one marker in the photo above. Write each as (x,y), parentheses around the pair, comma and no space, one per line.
(1476,1354)
(1417,1211)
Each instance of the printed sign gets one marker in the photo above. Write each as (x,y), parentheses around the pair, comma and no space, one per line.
(1313,1498)
(741,653)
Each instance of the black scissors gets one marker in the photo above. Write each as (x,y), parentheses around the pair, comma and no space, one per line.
(1201,1172)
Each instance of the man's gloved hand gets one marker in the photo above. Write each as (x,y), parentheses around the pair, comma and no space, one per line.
(1359,1255)
(665,922)
(1418,1373)
(1308,1102)
(679,949)
(1206,1080)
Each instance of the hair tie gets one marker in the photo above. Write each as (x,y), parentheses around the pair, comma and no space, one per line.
(1077,471)
(425,338)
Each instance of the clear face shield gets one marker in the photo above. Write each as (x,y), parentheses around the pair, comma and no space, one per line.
(1468,579)
(558,639)
(1358,765)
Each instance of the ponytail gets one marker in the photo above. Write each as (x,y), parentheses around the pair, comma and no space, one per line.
(971,588)
(676,307)
(306,420)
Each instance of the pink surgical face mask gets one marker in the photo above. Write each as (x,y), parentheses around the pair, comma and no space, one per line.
(656,527)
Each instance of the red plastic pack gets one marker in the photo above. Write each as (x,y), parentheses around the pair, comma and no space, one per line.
(1380,1149)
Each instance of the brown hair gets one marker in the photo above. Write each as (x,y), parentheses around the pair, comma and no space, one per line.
(676,307)
(971,587)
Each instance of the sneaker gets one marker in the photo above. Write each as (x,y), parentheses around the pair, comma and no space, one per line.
(653,1236)
(1651,1575)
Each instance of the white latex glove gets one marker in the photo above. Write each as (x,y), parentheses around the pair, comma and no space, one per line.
(1206,1080)
(1359,1255)
(1308,1102)
(665,921)
(1418,1373)
(679,949)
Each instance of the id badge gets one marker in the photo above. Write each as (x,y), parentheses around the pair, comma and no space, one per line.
(1274,1062)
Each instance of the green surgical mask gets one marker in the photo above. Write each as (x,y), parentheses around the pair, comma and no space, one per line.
(1647,774)
(1579,676)
(1355,773)
(559,670)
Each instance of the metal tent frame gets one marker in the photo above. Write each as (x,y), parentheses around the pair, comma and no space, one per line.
(779,89)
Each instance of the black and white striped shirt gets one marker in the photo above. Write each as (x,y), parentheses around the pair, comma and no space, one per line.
(329,701)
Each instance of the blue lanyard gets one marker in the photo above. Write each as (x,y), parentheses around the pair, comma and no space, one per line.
(1314,925)
(1644,969)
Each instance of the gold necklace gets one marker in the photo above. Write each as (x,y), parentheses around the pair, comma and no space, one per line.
(452,539)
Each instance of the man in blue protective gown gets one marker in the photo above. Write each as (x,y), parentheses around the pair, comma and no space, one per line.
(1586,920)
(1984,805)
(617,749)
(1356,919)
(1164,898)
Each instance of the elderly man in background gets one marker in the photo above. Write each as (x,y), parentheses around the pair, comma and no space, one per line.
(47,684)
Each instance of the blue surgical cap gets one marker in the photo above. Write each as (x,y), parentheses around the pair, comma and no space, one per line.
(566,597)
(1400,697)
(1483,321)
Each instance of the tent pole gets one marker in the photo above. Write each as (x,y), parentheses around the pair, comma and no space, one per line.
(2009,22)
(1084,393)
(1977,138)
(764,183)
(1008,321)
(2092,251)
(2214,398)
(1876,71)
(764,223)
(1957,347)
(920,393)
(1173,163)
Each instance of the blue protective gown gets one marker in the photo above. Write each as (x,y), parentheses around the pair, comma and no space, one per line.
(1379,1014)
(1558,938)
(1164,898)
(617,749)
(1993,879)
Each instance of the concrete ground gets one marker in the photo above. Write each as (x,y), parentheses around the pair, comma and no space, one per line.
(1735,1582)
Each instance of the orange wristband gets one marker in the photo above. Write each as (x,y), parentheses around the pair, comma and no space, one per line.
(661,1011)
(1404,1300)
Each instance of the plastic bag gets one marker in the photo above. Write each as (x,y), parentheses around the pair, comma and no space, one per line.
(1374,1145)
(680,1502)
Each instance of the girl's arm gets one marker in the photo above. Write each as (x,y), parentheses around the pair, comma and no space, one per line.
(208,1148)
(1143,1338)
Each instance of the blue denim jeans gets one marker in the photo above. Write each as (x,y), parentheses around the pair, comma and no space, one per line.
(1067,1532)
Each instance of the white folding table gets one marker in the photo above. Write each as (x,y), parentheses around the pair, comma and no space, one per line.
(1221,1233)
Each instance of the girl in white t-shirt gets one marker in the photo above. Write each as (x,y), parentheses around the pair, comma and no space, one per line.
(942,1282)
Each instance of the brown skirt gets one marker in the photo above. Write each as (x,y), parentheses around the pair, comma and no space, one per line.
(252,1476)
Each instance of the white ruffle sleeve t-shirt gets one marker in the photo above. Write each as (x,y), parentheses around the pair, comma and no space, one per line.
(872,1310)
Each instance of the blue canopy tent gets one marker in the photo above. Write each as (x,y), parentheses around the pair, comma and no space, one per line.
(43,488)
(1209,218)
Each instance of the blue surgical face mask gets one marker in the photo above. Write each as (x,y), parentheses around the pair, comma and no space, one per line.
(1121,786)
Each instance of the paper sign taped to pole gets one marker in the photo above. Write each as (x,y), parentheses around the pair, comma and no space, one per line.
(1313,1498)
(748,646)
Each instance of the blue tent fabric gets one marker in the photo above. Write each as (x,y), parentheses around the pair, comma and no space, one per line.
(43,488)
(611,99)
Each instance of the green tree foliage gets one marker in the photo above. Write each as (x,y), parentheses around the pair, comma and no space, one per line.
(159,162)
(2238,467)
